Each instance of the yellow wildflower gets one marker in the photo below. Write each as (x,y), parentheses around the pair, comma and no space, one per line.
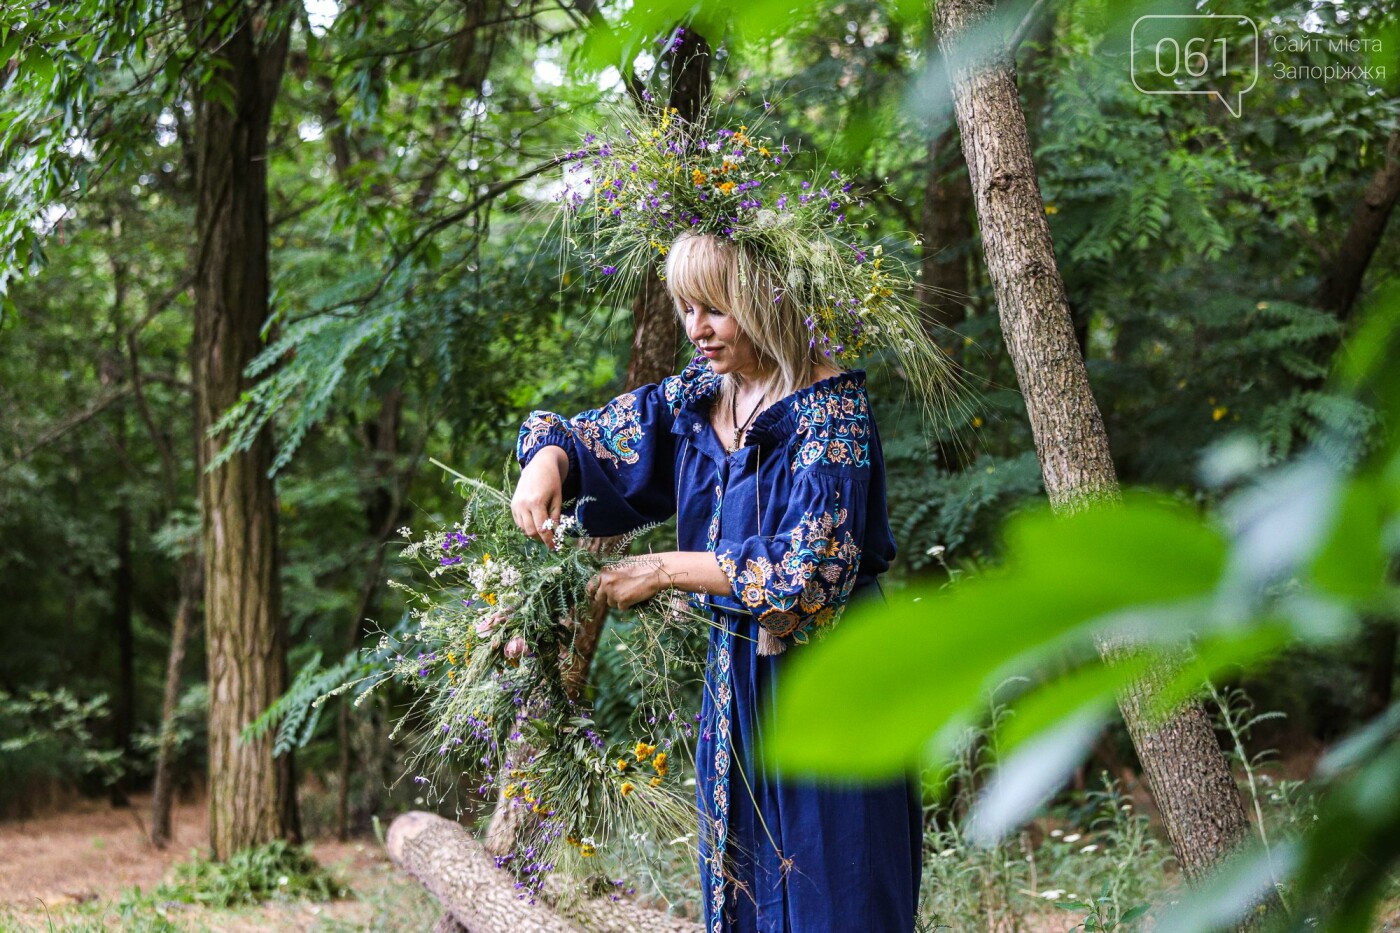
(656,781)
(490,598)
(763,151)
(643,751)
(510,791)
(726,187)
(1219,412)
(572,840)
(1051,209)
(628,787)
(587,850)
(623,764)
(659,763)
(976,421)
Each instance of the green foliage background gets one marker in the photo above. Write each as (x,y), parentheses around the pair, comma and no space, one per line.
(415,267)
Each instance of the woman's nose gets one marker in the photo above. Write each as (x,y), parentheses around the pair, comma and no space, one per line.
(698,325)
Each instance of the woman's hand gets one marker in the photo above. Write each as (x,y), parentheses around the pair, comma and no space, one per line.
(629,582)
(540,494)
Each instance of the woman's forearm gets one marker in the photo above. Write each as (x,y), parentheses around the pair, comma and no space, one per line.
(694,572)
(559,457)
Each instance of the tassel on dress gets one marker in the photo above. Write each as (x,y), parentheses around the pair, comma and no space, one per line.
(768,643)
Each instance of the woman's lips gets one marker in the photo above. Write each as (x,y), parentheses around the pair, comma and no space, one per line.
(710,352)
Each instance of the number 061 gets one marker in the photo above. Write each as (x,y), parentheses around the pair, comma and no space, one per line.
(1193,59)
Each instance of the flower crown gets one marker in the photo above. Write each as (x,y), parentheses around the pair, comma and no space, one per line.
(628,196)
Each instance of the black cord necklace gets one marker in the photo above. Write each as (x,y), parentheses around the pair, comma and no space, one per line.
(741,430)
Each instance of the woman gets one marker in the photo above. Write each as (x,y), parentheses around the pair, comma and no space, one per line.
(770,459)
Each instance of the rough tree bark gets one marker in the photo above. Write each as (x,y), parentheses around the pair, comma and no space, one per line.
(463,876)
(252,795)
(1185,768)
(1342,283)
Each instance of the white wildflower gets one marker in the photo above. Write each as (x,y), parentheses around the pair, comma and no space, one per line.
(946,852)
(936,551)
(1089,848)
(1053,895)
(509,576)
(1073,837)
(406,532)
(1057,832)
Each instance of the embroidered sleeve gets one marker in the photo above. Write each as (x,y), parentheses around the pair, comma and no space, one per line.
(798,580)
(621,458)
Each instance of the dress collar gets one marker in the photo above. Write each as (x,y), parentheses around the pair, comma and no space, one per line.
(775,424)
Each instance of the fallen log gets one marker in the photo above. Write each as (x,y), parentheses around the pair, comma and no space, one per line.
(481,898)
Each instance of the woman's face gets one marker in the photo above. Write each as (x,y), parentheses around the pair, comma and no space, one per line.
(716,334)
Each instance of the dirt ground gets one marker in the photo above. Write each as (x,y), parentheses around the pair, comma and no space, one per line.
(71,868)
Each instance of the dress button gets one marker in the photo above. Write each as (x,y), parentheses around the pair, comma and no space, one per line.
(695,428)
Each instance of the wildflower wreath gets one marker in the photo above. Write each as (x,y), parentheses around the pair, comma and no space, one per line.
(627,195)
(487,656)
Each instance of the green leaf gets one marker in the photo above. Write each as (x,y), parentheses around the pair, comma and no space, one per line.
(1032,773)
(930,658)
(38,66)
(1210,656)
(1352,562)
(1094,684)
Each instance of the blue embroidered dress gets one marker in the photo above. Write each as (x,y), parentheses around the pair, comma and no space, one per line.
(797,521)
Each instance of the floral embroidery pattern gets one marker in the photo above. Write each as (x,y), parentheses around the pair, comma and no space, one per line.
(834,424)
(695,382)
(610,433)
(809,583)
(720,794)
(535,429)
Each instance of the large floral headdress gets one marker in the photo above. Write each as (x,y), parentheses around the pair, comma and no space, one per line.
(629,194)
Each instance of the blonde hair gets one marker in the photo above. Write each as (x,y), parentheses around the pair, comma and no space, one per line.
(704,269)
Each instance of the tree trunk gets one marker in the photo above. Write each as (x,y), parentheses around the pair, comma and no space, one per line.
(383,507)
(947,236)
(1343,280)
(1185,768)
(163,790)
(124,715)
(252,797)
(463,876)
